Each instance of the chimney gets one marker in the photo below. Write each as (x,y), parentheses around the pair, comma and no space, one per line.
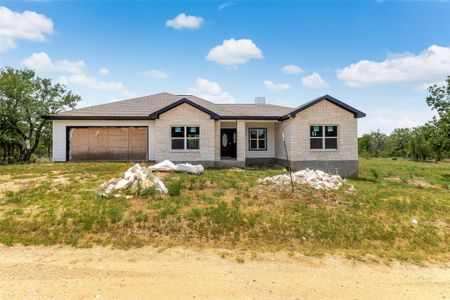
(260,100)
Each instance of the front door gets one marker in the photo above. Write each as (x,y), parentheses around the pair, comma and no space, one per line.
(228,140)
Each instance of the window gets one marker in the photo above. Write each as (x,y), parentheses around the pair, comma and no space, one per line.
(258,139)
(185,138)
(323,137)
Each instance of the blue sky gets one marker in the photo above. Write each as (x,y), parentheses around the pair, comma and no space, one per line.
(376,56)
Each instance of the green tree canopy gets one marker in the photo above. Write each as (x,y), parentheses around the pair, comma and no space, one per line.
(24,100)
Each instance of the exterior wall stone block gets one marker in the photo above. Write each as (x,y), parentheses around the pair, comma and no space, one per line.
(240,132)
(185,115)
(324,113)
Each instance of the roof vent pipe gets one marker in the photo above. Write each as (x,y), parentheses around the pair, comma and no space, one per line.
(260,100)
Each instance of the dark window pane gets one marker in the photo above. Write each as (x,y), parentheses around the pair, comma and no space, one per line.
(177,131)
(262,133)
(253,144)
(193,131)
(262,144)
(330,143)
(178,144)
(253,133)
(316,131)
(331,130)
(316,143)
(193,144)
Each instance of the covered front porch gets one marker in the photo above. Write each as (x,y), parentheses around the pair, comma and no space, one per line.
(245,142)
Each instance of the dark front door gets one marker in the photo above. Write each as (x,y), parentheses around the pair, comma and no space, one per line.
(228,141)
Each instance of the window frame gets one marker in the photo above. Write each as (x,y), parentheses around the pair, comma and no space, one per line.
(324,137)
(257,139)
(185,138)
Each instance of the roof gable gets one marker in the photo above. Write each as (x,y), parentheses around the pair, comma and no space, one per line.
(152,106)
(356,113)
(157,113)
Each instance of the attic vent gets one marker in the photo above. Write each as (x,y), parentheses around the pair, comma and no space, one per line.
(260,100)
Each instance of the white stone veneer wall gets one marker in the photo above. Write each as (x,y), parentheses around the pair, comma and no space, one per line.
(324,113)
(185,115)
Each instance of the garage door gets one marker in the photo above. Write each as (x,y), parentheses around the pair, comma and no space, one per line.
(108,143)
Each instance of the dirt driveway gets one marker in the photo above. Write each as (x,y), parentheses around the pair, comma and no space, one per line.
(146,273)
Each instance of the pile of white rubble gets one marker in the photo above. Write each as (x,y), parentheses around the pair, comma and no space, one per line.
(139,178)
(315,178)
(135,179)
(168,166)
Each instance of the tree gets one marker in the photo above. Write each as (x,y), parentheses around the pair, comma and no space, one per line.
(439,98)
(373,144)
(419,148)
(439,136)
(398,142)
(24,101)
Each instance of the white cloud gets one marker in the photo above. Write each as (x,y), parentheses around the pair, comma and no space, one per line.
(183,21)
(40,61)
(129,94)
(70,66)
(63,80)
(92,82)
(74,73)
(291,69)
(234,52)
(155,74)
(276,87)
(314,81)
(210,91)
(225,5)
(104,71)
(430,65)
(27,25)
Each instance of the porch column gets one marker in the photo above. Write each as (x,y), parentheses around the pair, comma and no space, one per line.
(240,147)
(217,140)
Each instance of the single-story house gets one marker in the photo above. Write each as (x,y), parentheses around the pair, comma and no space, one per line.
(320,134)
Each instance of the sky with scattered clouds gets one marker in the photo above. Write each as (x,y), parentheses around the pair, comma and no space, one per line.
(376,56)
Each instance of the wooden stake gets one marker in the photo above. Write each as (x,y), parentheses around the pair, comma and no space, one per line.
(288,163)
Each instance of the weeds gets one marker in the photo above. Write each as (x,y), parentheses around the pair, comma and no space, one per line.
(115,214)
(175,188)
(228,209)
(148,192)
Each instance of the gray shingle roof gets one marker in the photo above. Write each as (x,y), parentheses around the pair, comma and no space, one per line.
(150,106)
(142,106)
(259,110)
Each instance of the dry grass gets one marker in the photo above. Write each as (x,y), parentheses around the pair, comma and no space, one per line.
(227,209)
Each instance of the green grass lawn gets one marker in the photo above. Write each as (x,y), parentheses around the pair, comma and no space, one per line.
(57,204)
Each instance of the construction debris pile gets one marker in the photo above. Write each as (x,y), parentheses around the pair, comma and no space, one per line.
(138,178)
(135,179)
(315,178)
(168,166)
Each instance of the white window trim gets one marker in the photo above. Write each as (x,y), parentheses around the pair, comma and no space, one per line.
(323,138)
(185,138)
(257,139)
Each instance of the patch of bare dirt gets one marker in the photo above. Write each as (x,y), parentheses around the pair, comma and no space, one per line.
(7,183)
(414,182)
(148,273)
(10,184)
